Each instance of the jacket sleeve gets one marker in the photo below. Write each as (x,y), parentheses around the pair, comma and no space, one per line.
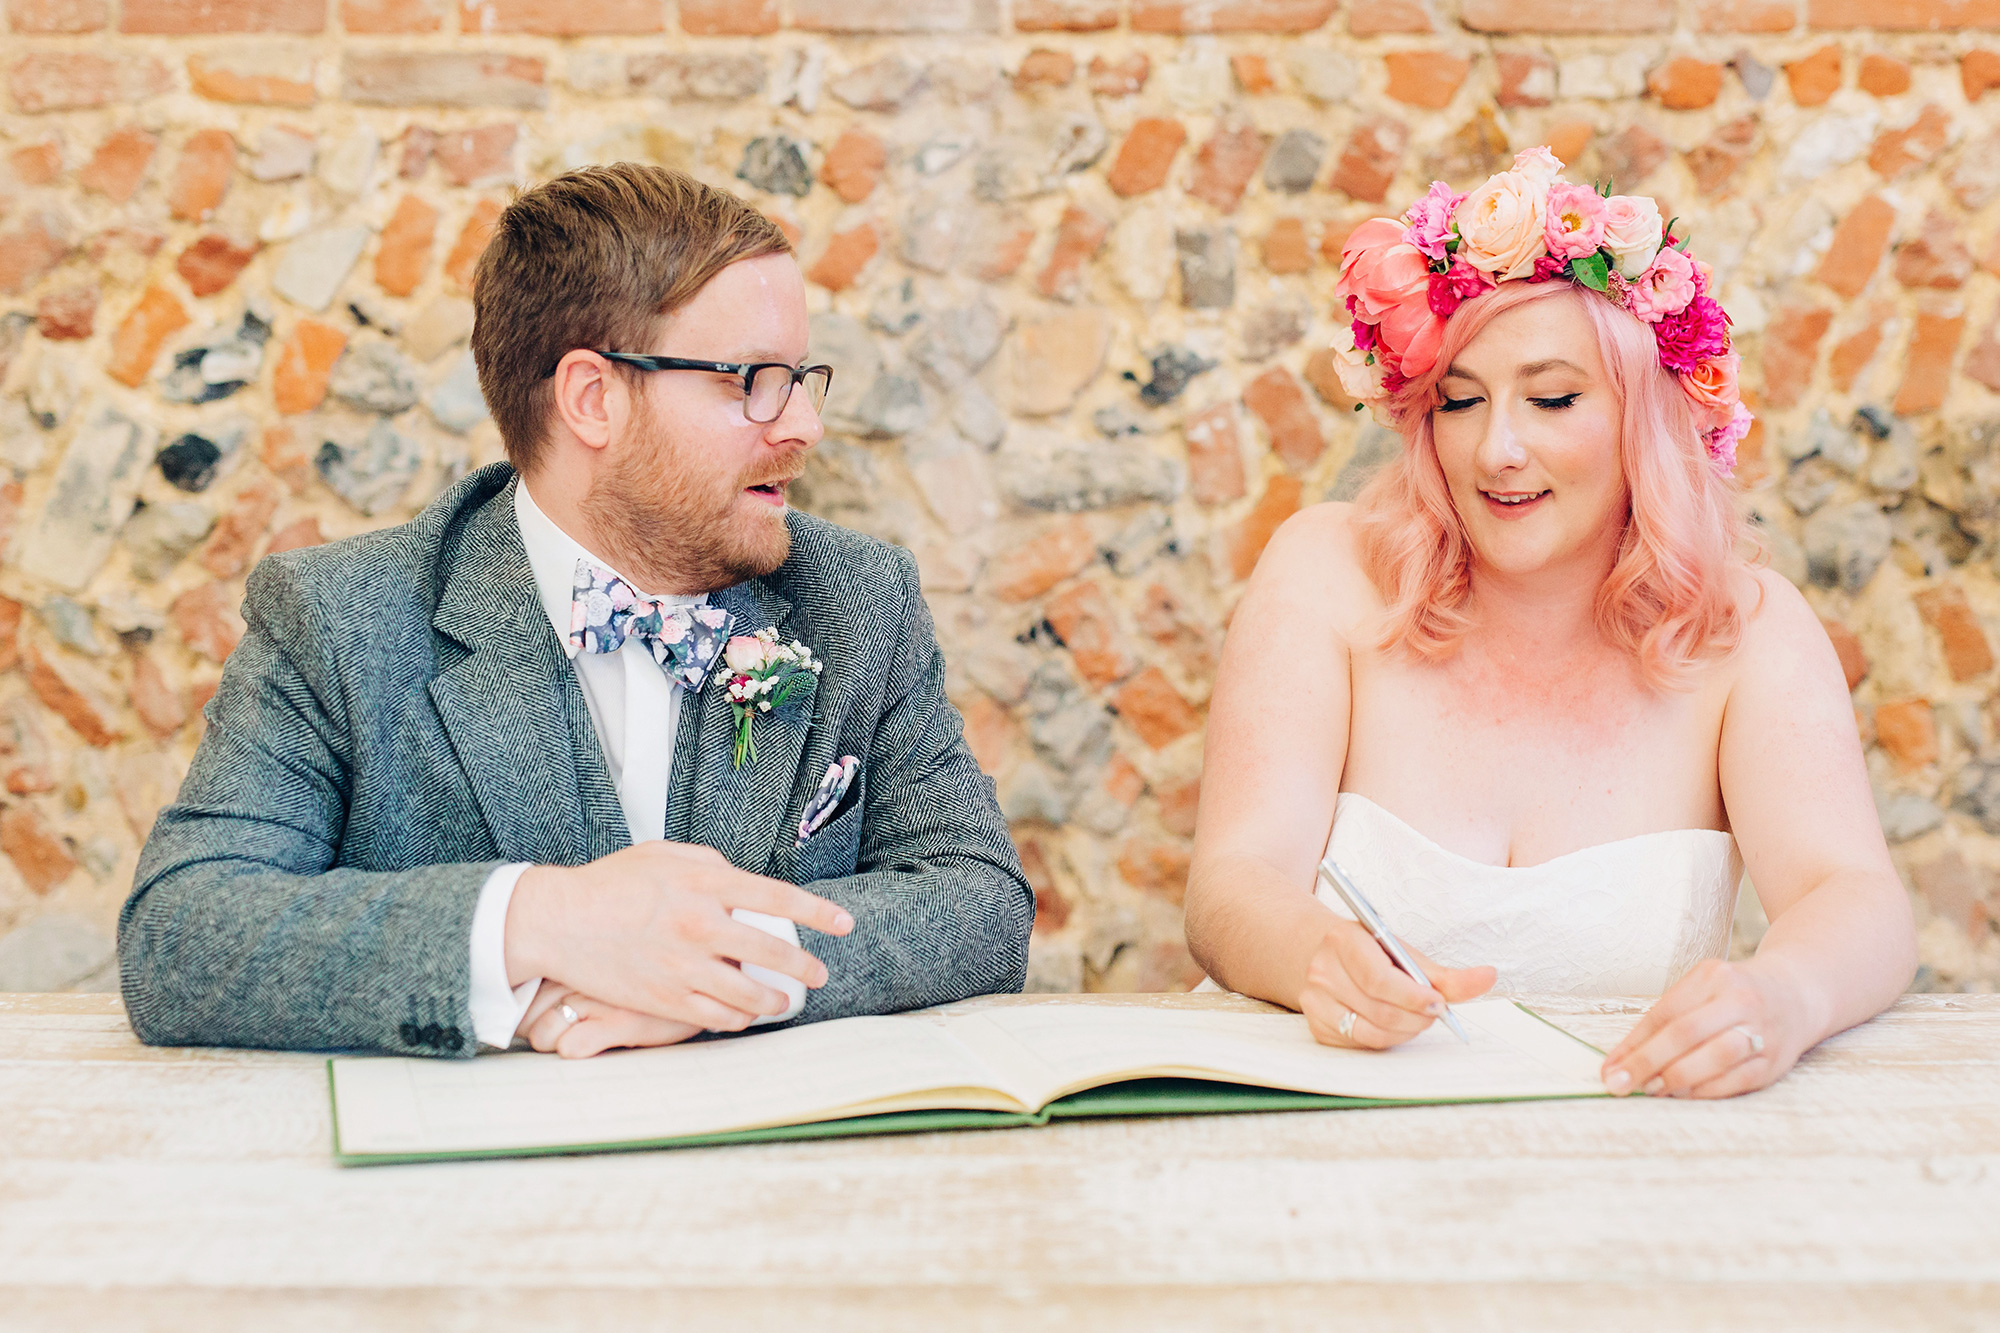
(240,930)
(941,907)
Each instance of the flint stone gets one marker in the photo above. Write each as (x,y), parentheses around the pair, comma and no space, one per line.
(1377,445)
(54,388)
(1049,471)
(1979,794)
(841,342)
(71,622)
(1025,165)
(952,475)
(186,382)
(1876,421)
(348,166)
(800,78)
(1069,727)
(893,405)
(190,463)
(1787,557)
(1756,76)
(1933,532)
(1030,794)
(1139,543)
(1056,967)
(438,327)
(159,535)
(777,163)
(456,403)
(1270,329)
(956,343)
(1323,74)
(933,231)
(1894,464)
(1905,815)
(1811,484)
(314,265)
(282,155)
(22,444)
(95,488)
(1825,143)
(839,479)
(1208,267)
(374,377)
(1173,368)
(978,418)
(53,952)
(942,153)
(881,85)
(374,475)
(1294,162)
(1845,545)
(896,311)
(1114,422)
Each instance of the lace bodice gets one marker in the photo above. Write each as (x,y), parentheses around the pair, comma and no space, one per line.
(1621,918)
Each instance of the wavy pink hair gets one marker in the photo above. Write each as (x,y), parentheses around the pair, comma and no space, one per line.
(1667,599)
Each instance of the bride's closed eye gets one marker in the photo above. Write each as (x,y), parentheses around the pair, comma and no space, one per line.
(1546,404)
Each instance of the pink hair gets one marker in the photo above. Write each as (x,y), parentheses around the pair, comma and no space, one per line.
(1667,599)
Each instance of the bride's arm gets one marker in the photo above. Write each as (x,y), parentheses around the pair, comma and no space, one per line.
(1841,945)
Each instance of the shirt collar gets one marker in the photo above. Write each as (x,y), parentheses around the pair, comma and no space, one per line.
(552,556)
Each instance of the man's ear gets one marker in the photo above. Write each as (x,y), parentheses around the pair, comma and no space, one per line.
(588,397)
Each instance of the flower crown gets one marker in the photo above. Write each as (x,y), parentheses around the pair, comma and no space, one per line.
(1400,281)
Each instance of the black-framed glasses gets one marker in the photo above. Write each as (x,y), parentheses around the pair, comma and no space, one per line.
(767,385)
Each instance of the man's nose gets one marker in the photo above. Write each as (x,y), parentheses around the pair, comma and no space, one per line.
(799,423)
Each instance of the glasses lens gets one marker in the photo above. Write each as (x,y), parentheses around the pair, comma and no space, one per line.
(818,380)
(768,392)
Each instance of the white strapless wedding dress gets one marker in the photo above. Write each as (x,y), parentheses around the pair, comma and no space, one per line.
(1621,918)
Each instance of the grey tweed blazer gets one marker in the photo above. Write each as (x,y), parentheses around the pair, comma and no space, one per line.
(400,719)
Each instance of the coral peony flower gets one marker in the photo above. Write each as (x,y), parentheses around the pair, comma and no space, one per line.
(1500,225)
(1690,336)
(1574,225)
(745,652)
(1388,281)
(1711,385)
(1632,232)
(1429,220)
(1665,288)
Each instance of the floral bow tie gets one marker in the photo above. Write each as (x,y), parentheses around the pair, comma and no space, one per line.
(604,612)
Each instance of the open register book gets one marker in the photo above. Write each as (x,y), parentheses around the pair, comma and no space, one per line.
(1023,1063)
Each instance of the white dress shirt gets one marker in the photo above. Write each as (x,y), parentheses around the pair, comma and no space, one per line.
(635,711)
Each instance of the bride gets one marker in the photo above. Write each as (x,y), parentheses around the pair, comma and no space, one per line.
(1525,691)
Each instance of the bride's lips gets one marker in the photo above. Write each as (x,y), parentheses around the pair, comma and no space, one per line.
(1517,504)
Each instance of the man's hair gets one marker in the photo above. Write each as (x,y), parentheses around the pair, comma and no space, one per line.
(595,259)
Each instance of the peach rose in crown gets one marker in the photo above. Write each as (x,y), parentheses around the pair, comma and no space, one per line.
(1501,224)
(1712,387)
(1390,282)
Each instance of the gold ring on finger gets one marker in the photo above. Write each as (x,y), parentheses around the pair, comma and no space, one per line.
(1346,1028)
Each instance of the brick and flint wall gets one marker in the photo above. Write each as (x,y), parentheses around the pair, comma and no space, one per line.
(1072,259)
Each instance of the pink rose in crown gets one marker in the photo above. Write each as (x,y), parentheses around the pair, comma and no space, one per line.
(1711,386)
(1575,223)
(1631,232)
(744,653)
(1429,220)
(1665,288)
(1388,280)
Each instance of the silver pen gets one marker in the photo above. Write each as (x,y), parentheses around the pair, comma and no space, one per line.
(1371,921)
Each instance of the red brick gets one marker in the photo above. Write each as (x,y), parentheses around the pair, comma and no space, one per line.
(1369,162)
(1566,15)
(1916,144)
(1903,15)
(1052,909)
(1685,84)
(225,83)
(119,163)
(405,250)
(135,347)
(56,16)
(417,145)
(1884,76)
(1746,15)
(989,732)
(563,18)
(284,455)
(30,779)
(162,709)
(1151,706)
(1715,161)
(1146,156)
(1927,376)
(887,16)
(1526,78)
(442,78)
(1043,68)
(1178,806)
(1157,867)
(793,232)
(36,164)
(1253,72)
(296,535)
(180,17)
(1425,78)
(1791,346)
(1966,651)
(1935,257)
(1065,15)
(1121,77)
(1369,18)
(305,365)
(387,16)
(463,260)
(854,164)
(846,254)
(1567,139)
(1816,77)
(10,610)
(205,617)
(1847,647)
(1029,570)
(478,156)
(1977,72)
(69,691)
(1083,619)
(234,538)
(1850,261)
(1908,731)
(1286,249)
(1247,539)
(71,80)
(32,250)
(212,263)
(1851,353)
(67,314)
(1225,164)
(1079,236)
(1982,363)
(1008,247)
(1214,456)
(1279,402)
(1190,16)
(42,858)
(201,178)
(729,18)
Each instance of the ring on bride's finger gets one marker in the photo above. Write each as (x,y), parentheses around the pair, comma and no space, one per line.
(1346,1027)
(570,1016)
(1756,1042)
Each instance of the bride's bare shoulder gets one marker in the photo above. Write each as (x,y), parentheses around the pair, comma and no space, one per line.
(1780,628)
(1317,553)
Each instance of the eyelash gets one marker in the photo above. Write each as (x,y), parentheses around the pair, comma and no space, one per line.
(1546,404)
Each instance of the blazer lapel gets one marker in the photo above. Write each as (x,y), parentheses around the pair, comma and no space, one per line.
(711,801)
(513,709)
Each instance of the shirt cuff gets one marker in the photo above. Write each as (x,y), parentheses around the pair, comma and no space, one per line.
(795,990)
(497,1008)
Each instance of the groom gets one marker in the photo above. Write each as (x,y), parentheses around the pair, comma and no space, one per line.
(478,776)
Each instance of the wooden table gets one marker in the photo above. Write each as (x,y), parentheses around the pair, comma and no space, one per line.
(193,1188)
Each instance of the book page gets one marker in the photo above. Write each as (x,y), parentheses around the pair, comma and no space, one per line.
(824,1071)
(1041,1052)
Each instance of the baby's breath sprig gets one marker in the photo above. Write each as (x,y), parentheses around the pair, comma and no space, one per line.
(764,674)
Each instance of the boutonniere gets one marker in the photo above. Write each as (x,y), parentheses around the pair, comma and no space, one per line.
(763,674)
